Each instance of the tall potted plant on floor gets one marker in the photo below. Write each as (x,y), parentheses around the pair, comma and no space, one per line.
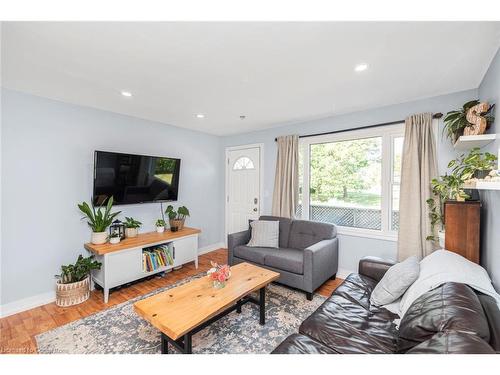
(99,219)
(73,284)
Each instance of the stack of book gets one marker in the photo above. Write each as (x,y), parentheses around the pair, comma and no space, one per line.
(155,258)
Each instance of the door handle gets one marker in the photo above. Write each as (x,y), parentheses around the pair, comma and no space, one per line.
(255,200)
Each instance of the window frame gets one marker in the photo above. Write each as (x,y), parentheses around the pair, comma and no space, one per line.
(387,133)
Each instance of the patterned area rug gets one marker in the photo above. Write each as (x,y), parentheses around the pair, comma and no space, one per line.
(120,330)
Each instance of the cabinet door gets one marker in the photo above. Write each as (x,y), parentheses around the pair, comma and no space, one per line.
(123,267)
(185,250)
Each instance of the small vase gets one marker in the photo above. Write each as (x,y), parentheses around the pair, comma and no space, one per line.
(219,284)
(160,229)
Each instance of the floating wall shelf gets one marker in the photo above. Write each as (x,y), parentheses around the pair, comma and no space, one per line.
(484,185)
(466,142)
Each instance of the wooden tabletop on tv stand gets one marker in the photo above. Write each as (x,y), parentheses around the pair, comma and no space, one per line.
(143,239)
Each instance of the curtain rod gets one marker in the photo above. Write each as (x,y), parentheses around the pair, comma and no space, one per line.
(436,115)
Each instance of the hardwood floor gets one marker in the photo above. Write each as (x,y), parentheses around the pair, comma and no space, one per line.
(18,331)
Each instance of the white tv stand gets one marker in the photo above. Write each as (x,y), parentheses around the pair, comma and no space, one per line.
(122,262)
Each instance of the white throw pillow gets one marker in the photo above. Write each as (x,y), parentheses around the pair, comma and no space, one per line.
(395,282)
(264,233)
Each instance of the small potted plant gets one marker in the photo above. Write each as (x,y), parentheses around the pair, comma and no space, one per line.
(177,218)
(455,122)
(114,238)
(98,220)
(131,227)
(160,225)
(73,284)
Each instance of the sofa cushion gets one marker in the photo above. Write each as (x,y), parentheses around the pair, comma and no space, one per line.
(396,280)
(300,344)
(264,233)
(291,260)
(347,323)
(453,342)
(285,225)
(252,254)
(450,307)
(304,233)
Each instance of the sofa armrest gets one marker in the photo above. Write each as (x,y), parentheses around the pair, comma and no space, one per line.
(236,239)
(320,263)
(374,267)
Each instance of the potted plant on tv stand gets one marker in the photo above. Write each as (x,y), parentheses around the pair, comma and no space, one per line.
(131,227)
(73,284)
(98,220)
(160,225)
(177,218)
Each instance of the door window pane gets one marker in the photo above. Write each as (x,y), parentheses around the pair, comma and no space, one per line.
(345,183)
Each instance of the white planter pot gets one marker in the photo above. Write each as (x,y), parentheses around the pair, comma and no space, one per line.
(98,238)
(160,229)
(441,236)
(131,232)
(114,240)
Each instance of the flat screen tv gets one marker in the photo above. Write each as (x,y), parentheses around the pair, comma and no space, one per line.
(134,179)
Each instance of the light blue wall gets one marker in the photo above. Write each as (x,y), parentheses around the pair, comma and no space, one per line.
(353,248)
(47,156)
(489,90)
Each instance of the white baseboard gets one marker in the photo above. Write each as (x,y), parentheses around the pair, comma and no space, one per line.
(49,297)
(342,273)
(26,303)
(209,248)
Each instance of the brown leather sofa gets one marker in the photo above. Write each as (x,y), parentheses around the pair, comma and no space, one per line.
(452,318)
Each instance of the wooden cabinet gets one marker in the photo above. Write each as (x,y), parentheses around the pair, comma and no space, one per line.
(462,223)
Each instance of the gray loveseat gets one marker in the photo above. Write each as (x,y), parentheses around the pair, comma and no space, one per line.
(307,255)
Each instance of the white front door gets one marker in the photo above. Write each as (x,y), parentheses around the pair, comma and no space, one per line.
(243,193)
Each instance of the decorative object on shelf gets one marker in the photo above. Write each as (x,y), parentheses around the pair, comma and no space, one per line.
(177,218)
(472,119)
(98,221)
(219,274)
(73,284)
(160,225)
(114,238)
(464,170)
(117,227)
(132,227)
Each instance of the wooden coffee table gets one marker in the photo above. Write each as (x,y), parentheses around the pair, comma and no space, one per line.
(182,311)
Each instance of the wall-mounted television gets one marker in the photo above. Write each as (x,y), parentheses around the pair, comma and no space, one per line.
(134,179)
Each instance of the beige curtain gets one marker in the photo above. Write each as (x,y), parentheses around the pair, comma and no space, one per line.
(286,180)
(418,168)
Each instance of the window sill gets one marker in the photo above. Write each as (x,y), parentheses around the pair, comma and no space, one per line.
(367,233)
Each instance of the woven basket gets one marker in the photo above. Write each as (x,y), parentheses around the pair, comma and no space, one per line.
(73,293)
(177,223)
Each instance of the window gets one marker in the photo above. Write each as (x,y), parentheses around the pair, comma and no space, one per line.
(243,163)
(352,179)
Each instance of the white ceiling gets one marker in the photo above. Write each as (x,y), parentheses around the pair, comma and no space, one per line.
(270,72)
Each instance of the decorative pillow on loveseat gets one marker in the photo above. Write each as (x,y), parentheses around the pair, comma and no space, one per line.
(264,234)
(395,282)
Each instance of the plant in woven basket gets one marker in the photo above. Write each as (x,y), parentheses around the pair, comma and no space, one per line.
(73,273)
(455,122)
(177,218)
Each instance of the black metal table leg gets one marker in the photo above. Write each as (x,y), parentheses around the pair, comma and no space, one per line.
(238,307)
(262,305)
(188,346)
(164,344)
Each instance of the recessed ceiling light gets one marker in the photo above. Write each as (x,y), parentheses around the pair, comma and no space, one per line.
(361,67)
(128,94)
(200,115)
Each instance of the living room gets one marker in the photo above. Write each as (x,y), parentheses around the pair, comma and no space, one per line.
(246,188)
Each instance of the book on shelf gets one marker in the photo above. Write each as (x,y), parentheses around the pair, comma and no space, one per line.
(156,257)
